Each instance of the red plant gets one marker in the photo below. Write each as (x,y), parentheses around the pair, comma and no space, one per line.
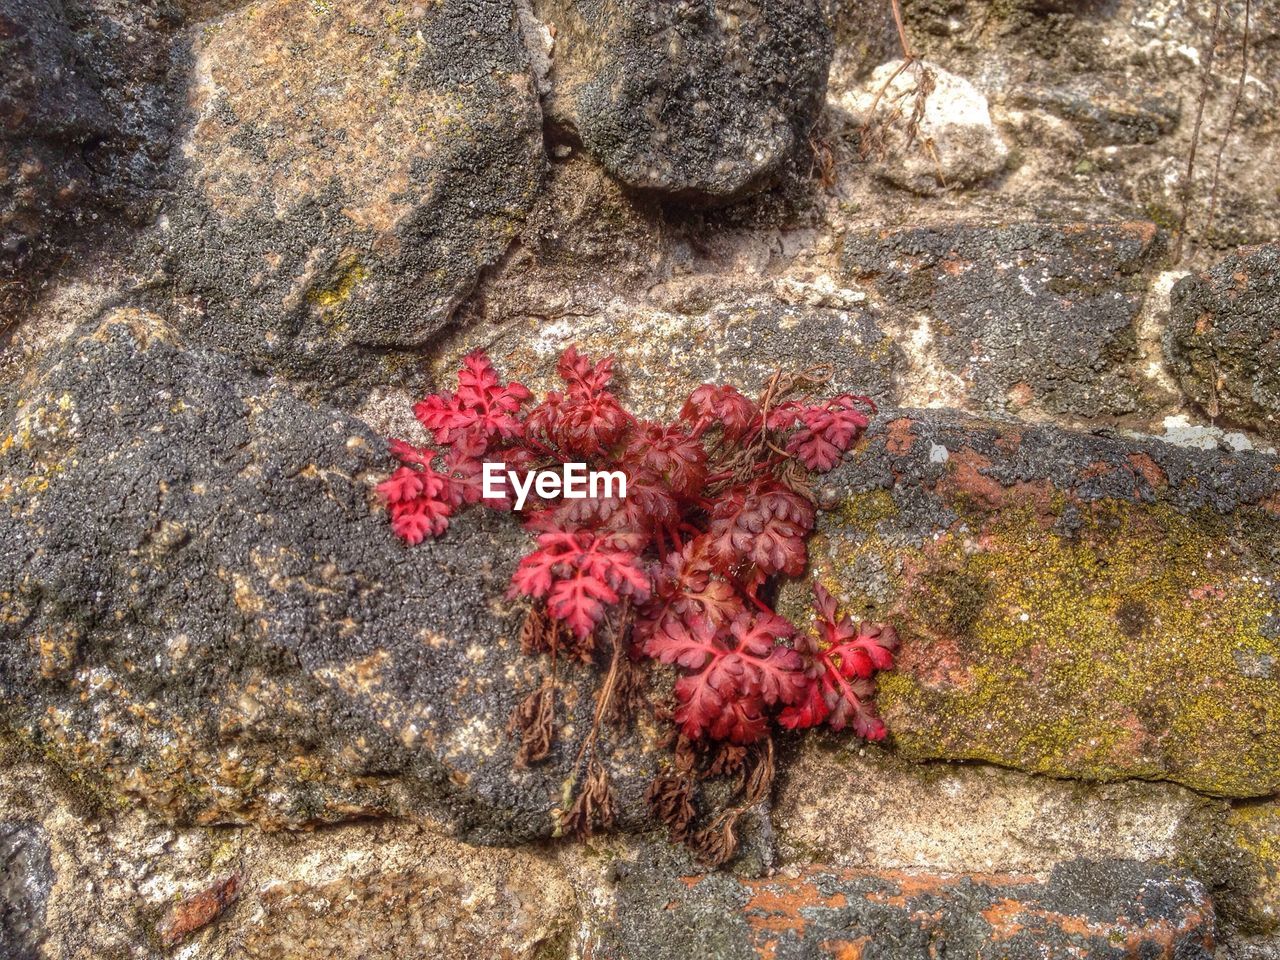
(717,505)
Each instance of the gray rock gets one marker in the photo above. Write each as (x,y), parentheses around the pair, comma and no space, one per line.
(1099,909)
(348,172)
(1106,117)
(1031,315)
(25,879)
(928,130)
(686,100)
(87,116)
(662,356)
(1223,342)
(206,612)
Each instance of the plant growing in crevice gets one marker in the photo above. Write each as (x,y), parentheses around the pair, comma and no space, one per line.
(680,569)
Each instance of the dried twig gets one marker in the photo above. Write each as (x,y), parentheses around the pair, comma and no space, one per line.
(716,843)
(1231,120)
(1188,175)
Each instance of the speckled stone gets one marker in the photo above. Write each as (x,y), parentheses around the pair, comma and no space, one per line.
(1104,910)
(204,610)
(1069,604)
(347,172)
(1223,342)
(688,101)
(1024,317)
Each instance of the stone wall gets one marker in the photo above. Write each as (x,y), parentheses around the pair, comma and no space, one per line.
(239,237)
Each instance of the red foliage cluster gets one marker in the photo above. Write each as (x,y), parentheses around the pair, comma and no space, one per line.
(717,505)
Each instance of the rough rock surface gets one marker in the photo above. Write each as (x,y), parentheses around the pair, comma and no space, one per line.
(25,879)
(1223,343)
(235,714)
(966,818)
(204,612)
(1072,605)
(902,103)
(689,101)
(85,117)
(1098,909)
(1254,831)
(349,171)
(662,356)
(1022,317)
(375,890)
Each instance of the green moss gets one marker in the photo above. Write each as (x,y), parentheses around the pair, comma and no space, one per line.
(1165,217)
(863,511)
(1103,654)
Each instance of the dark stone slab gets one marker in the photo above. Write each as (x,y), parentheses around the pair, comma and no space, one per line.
(347,172)
(686,101)
(1029,315)
(205,611)
(87,110)
(1099,910)
(1223,342)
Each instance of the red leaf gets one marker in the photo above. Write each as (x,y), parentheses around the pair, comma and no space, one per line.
(726,516)
(581,575)
(576,370)
(418,502)
(709,704)
(671,453)
(724,407)
(840,666)
(825,430)
(688,600)
(482,407)
(764,524)
(404,484)
(410,455)
(774,673)
(415,520)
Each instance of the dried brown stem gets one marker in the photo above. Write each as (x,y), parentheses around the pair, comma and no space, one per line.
(593,805)
(1189,174)
(1231,121)
(534,721)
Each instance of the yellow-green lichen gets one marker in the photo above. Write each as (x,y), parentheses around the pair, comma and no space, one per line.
(349,272)
(1105,653)
(1254,831)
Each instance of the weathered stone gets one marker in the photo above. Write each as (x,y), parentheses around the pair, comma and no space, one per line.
(1106,117)
(1254,830)
(85,121)
(686,100)
(929,131)
(976,817)
(413,898)
(865,37)
(369,890)
(204,610)
(662,356)
(196,911)
(350,170)
(1069,604)
(1099,909)
(1223,342)
(1026,316)
(25,879)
